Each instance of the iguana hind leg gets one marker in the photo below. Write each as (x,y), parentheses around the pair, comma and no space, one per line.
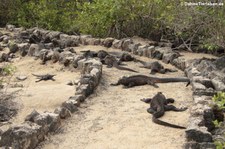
(114,84)
(150,110)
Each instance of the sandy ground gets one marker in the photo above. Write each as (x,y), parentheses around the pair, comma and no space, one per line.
(190,56)
(111,118)
(114,117)
(44,95)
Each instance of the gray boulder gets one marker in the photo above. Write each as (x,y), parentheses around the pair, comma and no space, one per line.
(25,136)
(218,84)
(63,112)
(34,50)
(125,44)
(49,121)
(220,63)
(196,133)
(169,57)
(71,105)
(23,48)
(84,90)
(10,27)
(179,63)
(117,44)
(108,42)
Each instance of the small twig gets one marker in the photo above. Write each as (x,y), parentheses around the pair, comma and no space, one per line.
(184,43)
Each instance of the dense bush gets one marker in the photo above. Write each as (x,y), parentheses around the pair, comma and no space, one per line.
(156,19)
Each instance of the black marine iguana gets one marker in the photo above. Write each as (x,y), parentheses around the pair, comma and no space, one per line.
(44,77)
(158,107)
(111,61)
(138,80)
(155,67)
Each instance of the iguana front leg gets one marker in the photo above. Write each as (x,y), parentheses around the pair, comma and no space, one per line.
(169,100)
(146,100)
(114,84)
(131,84)
(173,108)
(152,83)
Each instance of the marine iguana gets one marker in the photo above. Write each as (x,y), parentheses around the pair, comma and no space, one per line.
(44,77)
(155,67)
(89,54)
(102,54)
(158,107)
(138,80)
(111,61)
(126,57)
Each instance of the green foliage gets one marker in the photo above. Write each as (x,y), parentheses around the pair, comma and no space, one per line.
(154,19)
(7,11)
(219,100)
(219,145)
(119,18)
(8,69)
(50,14)
(217,123)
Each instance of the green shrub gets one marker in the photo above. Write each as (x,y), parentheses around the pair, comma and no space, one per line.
(219,100)
(219,145)
(217,123)
(7,70)
(155,19)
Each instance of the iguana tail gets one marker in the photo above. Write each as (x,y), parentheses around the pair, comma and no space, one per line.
(167,80)
(140,61)
(124,68)
(157,121)
(37,75)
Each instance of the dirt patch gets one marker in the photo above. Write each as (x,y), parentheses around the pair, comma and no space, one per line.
(115,117)
(44,95)
(189,56)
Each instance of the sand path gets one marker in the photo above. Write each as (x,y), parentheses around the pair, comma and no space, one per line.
(111,118)
(45,95)
(114,117)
